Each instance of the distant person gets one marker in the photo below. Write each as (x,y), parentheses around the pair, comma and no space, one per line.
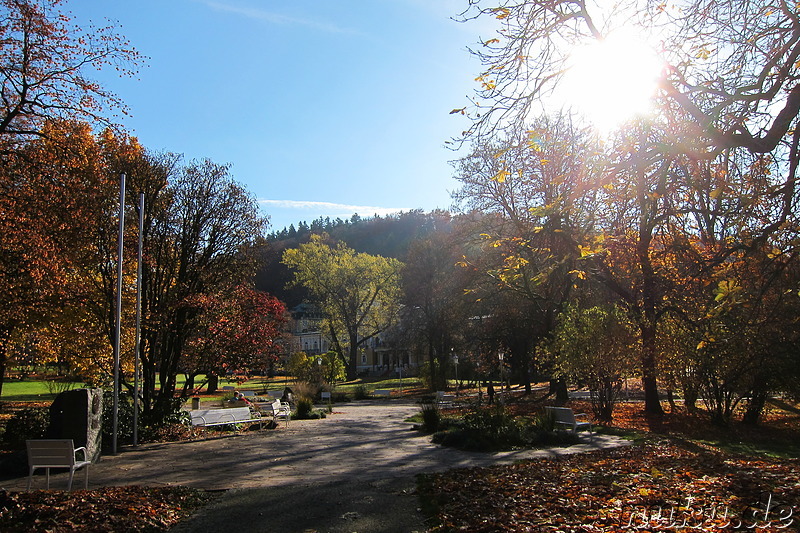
(239,397)
(490,392)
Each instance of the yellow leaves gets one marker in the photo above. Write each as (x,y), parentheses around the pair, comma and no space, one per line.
(535,141)
(491,41)
(486,84)
(596,246)
(501,176)
(726,289)
(580,274)
(703,53)
(538,211)
(501,13)
(716,194)
(461,110)
(776,252)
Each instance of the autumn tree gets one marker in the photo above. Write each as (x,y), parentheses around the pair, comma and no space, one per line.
(199,235)
(536,188)
(46,63)
(358,292)
(436,310)
(51,191)
(601,364)
(238,331)
(727,101)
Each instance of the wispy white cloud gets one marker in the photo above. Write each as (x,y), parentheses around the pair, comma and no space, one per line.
(331,207)
(276,18)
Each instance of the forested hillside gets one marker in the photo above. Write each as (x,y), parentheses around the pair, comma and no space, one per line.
(389,236)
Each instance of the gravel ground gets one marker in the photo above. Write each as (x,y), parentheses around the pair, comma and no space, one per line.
(351,472)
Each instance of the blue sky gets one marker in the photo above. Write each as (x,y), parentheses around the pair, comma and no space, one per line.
(322,107)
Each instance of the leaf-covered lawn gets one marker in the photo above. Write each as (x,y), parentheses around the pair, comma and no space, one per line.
(113,509)
(655,487)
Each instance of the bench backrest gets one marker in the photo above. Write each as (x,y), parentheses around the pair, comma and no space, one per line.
(217,416)
(562,414)
(249,393)
(273,406)
(324,395)
(51,452)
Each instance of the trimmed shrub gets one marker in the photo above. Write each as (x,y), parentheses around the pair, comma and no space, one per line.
(30,423)
(303,408)
(494,428)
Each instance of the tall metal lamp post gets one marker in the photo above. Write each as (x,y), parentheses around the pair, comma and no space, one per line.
(455,362)
(501,356)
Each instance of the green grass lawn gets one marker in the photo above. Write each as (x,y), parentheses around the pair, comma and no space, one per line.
(30,391)
(370,385)
(38,390)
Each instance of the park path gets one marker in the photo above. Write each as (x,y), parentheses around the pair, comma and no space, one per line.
(363,457)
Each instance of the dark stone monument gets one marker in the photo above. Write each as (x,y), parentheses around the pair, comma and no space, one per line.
(78,415)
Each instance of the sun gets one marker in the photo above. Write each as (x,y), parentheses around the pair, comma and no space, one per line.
(613,80)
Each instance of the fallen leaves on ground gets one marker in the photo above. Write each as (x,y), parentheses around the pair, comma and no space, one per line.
(111,509)
(654,487)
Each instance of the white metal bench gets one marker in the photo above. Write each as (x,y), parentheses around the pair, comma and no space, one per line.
(444,400)
(276,409)
(565,417)
(382,392)
(56,453)
(223,417)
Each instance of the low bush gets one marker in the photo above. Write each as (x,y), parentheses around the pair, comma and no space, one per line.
(304,410)
(494,428)
(303,407)
(431,417)
(360,393)
(30,423)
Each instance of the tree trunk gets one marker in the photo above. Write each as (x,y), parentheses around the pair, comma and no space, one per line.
(352,366)
(188,385)
(755,407)
(652,403)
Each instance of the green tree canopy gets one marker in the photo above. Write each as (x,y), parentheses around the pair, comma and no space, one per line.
(358,292)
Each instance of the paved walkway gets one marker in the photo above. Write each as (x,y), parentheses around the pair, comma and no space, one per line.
(353,471)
